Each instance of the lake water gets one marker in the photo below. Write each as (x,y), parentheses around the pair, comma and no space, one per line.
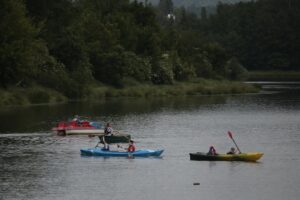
(34,164)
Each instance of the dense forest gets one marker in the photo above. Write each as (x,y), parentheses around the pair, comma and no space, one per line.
(69,44)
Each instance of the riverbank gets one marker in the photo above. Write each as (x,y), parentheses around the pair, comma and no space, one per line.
(274,76)
(39,95)
(199,87)
(30,96)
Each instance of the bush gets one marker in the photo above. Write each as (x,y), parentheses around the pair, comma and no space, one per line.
(37,96)
(183,71)
(203,67)
(162,71)
(235,71)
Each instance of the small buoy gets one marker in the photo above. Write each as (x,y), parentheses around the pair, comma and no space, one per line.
(196,183)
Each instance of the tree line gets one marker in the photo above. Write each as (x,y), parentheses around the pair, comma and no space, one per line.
(68,45)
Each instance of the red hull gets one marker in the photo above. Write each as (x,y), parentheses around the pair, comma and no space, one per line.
(73,127)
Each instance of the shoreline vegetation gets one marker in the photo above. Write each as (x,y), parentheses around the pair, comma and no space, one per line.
(39,95)
(274,76)
(57,51)
(35,95)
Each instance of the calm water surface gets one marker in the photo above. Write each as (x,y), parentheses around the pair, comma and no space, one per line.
(34,164)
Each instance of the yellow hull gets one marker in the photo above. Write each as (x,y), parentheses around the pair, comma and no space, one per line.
(251,157)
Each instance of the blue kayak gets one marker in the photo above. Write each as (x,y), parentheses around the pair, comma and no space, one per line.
(99,152)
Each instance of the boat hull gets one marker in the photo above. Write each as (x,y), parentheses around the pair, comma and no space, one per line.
(248,157)
(84,131)
(139,153)
(121,138)
(115,138)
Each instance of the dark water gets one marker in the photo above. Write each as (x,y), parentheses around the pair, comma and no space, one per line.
(34,164)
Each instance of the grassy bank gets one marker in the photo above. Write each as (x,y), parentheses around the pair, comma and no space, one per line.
(29,96)
(200,87)
(39,95)
(274,76)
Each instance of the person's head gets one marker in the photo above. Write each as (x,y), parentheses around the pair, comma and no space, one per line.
(131,141)
(108,124)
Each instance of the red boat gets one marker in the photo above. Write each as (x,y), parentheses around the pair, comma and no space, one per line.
(83,127)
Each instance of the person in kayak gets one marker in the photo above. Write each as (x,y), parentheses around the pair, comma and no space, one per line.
(212,151)
(131,146)
(108,130)
(232,151)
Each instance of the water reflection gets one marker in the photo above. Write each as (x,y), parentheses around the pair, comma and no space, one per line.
(42,118)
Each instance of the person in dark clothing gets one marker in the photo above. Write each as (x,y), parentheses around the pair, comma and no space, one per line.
(212,151)
(108,130)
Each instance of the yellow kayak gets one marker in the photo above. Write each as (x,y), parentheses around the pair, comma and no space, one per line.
(250,157)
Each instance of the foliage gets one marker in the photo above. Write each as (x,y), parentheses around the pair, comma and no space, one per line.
(20,49)
(67,45)
(261,34)
(198,87)
(235,71)
(162,71)
(203,66)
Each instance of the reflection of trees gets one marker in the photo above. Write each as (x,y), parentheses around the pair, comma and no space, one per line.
(43,118)
(142,105)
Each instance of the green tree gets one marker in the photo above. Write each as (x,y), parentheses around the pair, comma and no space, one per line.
(217,56)
(22,54)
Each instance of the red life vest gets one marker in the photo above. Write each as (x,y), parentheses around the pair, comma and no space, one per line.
(131,148)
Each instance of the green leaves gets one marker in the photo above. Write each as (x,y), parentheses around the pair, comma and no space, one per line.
(21,52)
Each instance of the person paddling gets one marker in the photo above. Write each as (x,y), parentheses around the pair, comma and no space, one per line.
(212,151)
(232,151)
(131,146)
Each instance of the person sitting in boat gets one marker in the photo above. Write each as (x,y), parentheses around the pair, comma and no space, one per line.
(212,151)
(108,130)
(131,146)
(77,119)
(232,151)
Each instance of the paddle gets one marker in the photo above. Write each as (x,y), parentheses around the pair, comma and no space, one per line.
(119,146)
(97,144)
(230,135)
